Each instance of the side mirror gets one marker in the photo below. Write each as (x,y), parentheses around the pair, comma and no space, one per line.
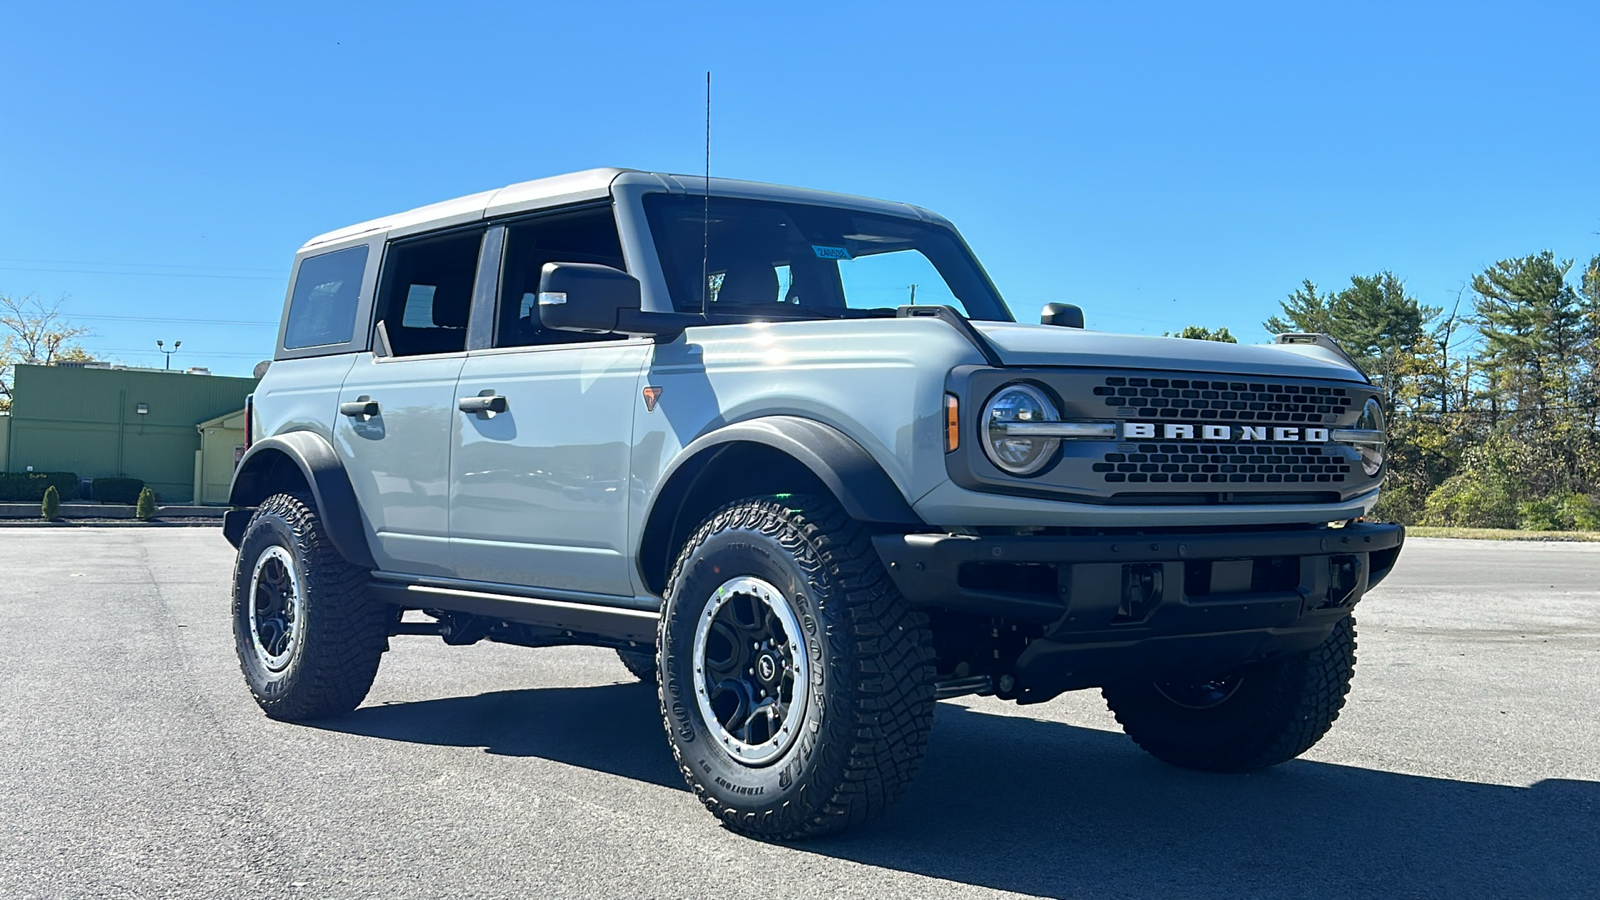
(585,297)
(601,300)
(1063,314)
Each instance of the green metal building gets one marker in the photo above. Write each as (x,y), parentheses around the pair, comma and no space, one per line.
(100,422)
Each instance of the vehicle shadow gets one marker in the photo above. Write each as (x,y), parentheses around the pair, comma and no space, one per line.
(1049,809)
(613,728)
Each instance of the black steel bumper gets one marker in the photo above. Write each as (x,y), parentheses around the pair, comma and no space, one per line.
(1143,606)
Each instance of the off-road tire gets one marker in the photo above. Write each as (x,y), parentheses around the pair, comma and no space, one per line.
(641,664)
(1280,709)
(345,630)
(870,708)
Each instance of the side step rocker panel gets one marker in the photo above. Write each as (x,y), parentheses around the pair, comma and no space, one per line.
(610,623)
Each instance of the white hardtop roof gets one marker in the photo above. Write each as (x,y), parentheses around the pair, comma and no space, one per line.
(597,184)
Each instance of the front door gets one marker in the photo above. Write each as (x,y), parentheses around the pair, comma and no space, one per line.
(398,403)
(540,477)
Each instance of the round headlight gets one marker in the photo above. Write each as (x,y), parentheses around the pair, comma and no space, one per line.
(1019,454)
(1371,452)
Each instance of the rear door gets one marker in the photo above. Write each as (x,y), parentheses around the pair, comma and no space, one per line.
(540,488)
(398,403)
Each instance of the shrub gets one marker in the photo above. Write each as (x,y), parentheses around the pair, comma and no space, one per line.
(1539,515)
(146,510)
(50,506)
(29,487)
(1400,502)
(1582,511)
(1466,501)
(117,490)
(1496,475)
(1562,512)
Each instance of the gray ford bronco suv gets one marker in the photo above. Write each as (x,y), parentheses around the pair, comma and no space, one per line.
(790,455)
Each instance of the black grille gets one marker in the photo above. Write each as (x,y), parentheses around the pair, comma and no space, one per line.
(1223,401)
(1225,464)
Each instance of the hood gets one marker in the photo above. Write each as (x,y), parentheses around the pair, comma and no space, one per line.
(1050,345)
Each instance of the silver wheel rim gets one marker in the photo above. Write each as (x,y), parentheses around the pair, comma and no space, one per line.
(277,609)
(751,680)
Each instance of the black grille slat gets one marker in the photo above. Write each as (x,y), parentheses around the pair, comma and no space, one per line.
(1227,464)
(1179,398)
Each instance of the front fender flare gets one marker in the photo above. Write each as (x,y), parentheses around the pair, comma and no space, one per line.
(861,486)
(837,462)
(259,476)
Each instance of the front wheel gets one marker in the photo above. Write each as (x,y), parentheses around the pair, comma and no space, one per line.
(308,634)
(796,682)
(1254,717)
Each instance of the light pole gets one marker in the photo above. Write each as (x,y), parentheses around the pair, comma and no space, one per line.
(163,348)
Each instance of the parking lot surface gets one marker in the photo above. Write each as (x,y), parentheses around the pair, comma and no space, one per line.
(134,764)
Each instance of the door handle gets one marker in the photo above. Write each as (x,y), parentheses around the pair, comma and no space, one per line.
(360,408)
(488,404)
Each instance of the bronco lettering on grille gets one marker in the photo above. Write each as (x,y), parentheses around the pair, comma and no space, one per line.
(1187,432)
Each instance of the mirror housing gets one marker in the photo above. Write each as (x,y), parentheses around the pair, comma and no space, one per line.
(596,299)
(585,297)
(1063,314)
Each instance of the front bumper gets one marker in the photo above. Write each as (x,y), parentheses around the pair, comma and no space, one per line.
(950,503)
(1146,605)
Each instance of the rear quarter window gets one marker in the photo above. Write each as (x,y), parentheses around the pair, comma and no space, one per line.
(322,309)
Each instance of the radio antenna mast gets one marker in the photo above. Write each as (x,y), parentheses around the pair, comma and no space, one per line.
(705,215)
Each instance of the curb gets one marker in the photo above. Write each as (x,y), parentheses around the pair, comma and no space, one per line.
(108,523)
(109,511)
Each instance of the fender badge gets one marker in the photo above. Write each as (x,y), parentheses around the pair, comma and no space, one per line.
(651,395)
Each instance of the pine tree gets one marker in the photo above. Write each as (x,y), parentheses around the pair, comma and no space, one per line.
(1373,319)
(1589,327)
(50,509)
(1538,356)
(145,509)
(1305,312)
(1532,327)
(1376,321)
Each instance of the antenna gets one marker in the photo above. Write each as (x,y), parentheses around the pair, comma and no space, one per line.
(705,215)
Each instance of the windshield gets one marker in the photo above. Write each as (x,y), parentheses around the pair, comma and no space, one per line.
(788,260)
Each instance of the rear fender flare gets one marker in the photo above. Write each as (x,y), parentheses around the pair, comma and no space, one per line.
(262,473)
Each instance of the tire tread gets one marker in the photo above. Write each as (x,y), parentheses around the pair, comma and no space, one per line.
(891,699)
(1306,694)
(349,630)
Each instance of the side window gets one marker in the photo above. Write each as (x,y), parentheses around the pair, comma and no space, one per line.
(322,309)
(427,293)
(582,236)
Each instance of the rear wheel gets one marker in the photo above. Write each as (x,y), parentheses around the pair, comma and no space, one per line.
(308,634)
(1251,718)
(640,664)
(796,683)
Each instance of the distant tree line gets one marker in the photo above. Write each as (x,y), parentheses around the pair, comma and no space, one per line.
(1493,406)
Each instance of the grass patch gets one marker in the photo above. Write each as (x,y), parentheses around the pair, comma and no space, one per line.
(1500,534)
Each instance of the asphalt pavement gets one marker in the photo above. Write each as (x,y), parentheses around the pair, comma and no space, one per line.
(134,764)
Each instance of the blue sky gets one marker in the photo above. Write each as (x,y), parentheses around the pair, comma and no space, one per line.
(1158,164)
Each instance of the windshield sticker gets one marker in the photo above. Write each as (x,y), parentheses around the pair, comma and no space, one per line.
(830,252)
